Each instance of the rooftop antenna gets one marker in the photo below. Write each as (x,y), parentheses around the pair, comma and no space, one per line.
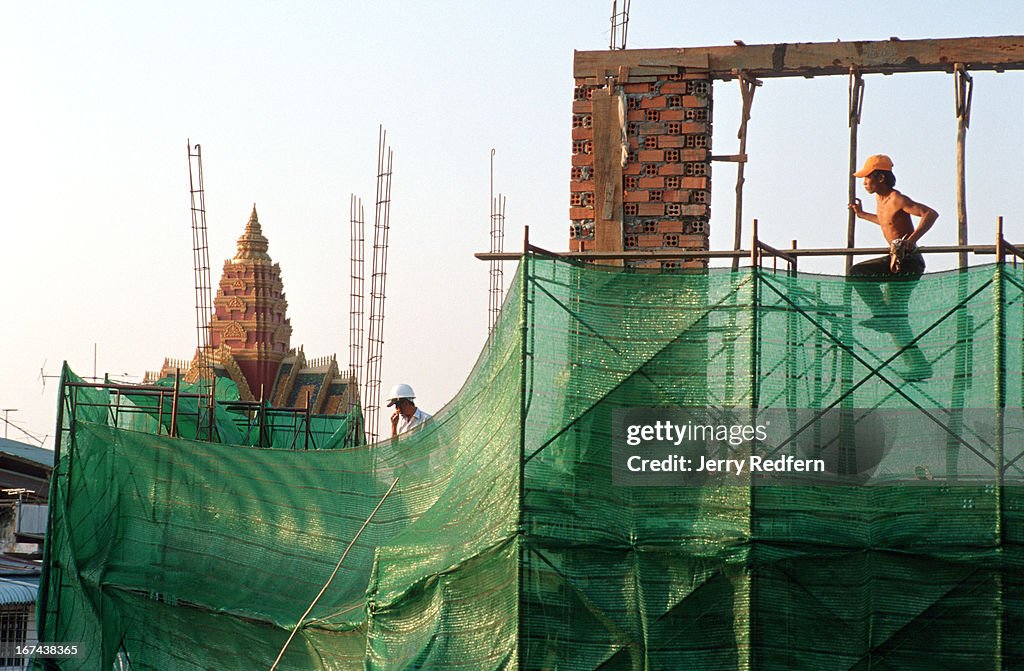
(497,286)
(620,25)
(378,279)
(357,293)
(201,269)
(44,376)
(7,411)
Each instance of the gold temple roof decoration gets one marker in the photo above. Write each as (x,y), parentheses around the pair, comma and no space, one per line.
(252,246)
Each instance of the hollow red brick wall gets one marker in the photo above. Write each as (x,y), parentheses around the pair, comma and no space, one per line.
(667,176)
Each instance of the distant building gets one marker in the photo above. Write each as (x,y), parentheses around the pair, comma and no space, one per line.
(24,490)
(250,336)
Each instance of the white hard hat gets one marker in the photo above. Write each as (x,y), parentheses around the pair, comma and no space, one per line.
(400,391)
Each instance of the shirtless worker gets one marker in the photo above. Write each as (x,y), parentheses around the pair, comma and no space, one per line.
(899,271)
(894,212)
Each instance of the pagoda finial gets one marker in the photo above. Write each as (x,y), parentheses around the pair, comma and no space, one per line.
(253,245)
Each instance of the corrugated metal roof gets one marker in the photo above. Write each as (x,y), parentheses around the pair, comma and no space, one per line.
(31,452)
(15,592)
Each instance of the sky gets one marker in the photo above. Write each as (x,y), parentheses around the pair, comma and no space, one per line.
(101,98)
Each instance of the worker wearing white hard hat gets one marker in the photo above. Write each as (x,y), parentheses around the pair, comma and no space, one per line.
(406,414)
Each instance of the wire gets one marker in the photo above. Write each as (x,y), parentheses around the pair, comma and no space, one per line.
(298,624)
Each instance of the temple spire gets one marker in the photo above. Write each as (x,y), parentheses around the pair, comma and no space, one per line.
(253,245)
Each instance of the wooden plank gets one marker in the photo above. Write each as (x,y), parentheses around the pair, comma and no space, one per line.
(818,58)
(608,234)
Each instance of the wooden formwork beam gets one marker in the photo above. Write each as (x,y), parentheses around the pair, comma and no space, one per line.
(810,59)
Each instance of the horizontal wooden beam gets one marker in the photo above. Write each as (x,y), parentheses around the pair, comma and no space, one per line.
(649,254)
(810,59)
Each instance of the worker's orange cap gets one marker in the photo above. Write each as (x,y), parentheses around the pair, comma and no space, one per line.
(876,162)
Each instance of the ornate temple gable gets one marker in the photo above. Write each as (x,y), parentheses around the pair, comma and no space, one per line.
(289,371)
(223,357)
(329,391)
(251,336)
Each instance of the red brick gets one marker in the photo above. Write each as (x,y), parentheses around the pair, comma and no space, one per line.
(695,210)
(582,186)
(635,197)
(674,196)
(695,154)
(635,115)
(632,169)
(696,75)
(648,241)
(670,227)
(582,106)
(652,210)
(693,241)
(581,213)
(694,182)
(692,127)
(671,141)
(651,155)
(673,87)
(657,102)
(583,159)
(669,169)
(634,142)
(694,101)
(673,115)
(652,182)
(582,133)
(637,88)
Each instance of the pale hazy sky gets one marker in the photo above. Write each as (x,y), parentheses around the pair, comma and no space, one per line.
(99,99)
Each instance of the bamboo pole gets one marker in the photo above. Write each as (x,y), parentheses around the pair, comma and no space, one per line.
(964,89)
(855,102)
(748,85)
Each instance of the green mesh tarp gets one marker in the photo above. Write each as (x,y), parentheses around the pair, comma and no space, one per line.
(233,422)
(506,544)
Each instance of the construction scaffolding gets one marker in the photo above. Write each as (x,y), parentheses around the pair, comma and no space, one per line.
(615,70)
(511,541)
(507,543)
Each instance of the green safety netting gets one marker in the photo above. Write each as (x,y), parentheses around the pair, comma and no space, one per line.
(232,422)
(506,545)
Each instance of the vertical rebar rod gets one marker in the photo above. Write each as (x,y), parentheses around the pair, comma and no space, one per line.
(357,289)
(496,290)
(378,281)
(201,269)
(964,89)
(620,25)
(855,101)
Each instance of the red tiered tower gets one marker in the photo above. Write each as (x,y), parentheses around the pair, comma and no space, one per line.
(249,311)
